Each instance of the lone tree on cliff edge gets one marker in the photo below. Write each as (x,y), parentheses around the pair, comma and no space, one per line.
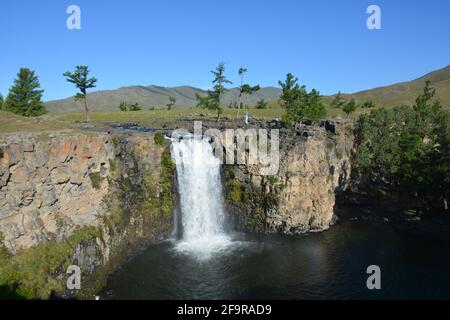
(80,79)
(212,100)
(244,89)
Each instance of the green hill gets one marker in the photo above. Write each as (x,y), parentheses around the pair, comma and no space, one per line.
(152,96)
(405,93)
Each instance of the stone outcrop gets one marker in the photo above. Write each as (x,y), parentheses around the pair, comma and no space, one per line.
(46,190)
(314,167)
(85,199)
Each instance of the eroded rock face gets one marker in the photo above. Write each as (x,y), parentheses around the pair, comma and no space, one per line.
(98,196)
(314,167)
(50,186)
(46,190)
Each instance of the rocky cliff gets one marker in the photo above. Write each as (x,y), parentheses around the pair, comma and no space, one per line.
(314,167)
(92,199)
(85,199)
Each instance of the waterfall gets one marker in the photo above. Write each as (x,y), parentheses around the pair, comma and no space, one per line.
(200,191)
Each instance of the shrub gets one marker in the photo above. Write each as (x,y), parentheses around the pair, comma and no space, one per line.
(261,104)
(159,138)
(128,106)
(96,180)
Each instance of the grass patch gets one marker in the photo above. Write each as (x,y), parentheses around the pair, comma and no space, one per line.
(113,165)
(234,190)
(96,180)
(32,273)
(116,142)
(159,138)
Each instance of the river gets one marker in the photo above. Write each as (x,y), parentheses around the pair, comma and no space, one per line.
(327,265)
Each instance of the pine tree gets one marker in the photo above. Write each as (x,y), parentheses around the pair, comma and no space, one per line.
(244,89)
(25,95)
(80,79)
(368,105)
(1,101)
(407,149)
(350,107)
(172,102)
(261,104)
(315,109)
(212,100)
(300,104)
(123,106)
(338,101)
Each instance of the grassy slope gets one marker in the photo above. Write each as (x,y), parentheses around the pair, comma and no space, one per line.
(389,96)
(10,122)
(399,94)
(56,121)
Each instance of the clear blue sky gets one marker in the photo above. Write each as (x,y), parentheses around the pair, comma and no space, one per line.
(168,43)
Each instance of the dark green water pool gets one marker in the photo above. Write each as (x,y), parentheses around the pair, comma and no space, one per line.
(327,265)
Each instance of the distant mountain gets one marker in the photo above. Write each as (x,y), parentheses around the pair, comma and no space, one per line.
(405,93)
(153,96)
(398,94)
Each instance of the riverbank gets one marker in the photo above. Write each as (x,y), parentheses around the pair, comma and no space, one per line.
(432,224)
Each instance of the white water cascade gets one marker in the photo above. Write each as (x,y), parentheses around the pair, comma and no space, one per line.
(200,191)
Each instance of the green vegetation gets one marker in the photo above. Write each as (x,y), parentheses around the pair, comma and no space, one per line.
(158,196)
(261,104)
(350,107)
(96,180)
(300,104)
(1,101)
(113,165)
(368,105)
(234,189)
(115,141)
(159,138)
(128,106)
(338,101)
(212,100)
(63,121)
(244,89)
(407,149)
(251,203)
(32,273)
(153,199)
(25,95)
(166,182)
(80,79)
(172,102)
(404,93)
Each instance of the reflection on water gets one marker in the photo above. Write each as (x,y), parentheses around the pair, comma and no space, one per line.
(328,265)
